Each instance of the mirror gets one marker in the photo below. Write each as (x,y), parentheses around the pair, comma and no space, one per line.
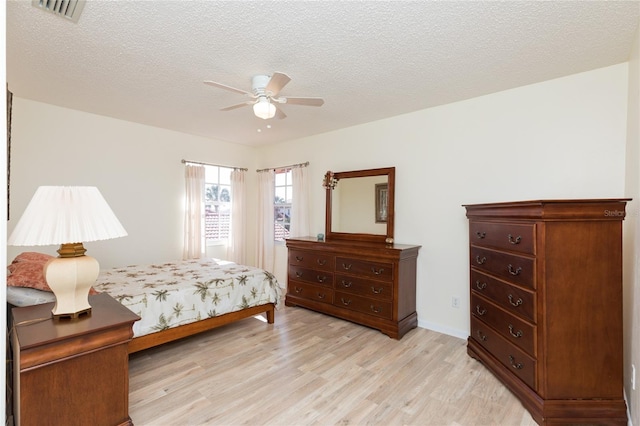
(360,205)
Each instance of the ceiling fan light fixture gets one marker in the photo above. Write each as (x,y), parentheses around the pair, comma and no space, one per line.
(264,109)
(265,90)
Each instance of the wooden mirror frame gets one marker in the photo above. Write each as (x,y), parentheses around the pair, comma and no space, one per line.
(390,172)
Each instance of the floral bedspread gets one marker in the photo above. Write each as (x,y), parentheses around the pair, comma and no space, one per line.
(171,294)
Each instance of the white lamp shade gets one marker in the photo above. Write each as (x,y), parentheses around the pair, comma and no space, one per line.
(264,109)
(66,214)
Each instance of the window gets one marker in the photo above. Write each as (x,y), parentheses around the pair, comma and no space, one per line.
(217,203)
(282,203)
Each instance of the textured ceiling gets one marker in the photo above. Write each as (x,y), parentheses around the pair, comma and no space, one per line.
(145,61)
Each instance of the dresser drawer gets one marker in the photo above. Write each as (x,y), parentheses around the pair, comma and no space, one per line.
(310,259)
(365,287)
(311,292)
(506,236)
(363,304)
(518,362)
(510,297)
(514,329)
(375,270)
(312,276)
(515,269)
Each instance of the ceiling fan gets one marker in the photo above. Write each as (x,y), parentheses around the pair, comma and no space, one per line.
(264,96)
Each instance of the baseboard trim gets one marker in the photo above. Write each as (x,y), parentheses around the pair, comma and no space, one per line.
(460,334)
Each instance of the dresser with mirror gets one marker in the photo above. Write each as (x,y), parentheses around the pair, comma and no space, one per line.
(357,272)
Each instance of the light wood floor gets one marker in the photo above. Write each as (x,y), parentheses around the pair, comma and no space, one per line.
(312,369)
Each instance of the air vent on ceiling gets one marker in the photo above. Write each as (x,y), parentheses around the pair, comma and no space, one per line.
(69,9)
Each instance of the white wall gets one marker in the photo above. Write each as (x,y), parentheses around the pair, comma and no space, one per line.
(563,138)
(3,230)
(137,168)
(632,237)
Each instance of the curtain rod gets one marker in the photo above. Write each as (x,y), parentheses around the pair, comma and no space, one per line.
(216,165)
(293,166)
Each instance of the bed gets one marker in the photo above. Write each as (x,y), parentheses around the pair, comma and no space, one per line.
(173,299)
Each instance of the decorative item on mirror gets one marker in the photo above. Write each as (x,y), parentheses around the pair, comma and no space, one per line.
(329,181)
(320,237)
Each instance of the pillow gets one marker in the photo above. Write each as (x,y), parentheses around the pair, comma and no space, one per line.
(32,256)
(27,270)
(27,274)
(25,296)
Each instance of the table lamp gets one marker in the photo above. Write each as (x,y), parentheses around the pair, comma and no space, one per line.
(68,215)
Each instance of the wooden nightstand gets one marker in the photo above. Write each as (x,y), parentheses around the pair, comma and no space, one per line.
(72,372)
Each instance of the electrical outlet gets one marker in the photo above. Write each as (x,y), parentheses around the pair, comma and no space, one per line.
(633,377)
(455,302)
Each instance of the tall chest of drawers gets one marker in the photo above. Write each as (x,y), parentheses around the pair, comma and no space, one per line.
(546,305)
(371,284)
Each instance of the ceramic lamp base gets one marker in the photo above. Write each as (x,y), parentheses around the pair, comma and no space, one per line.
(70,279)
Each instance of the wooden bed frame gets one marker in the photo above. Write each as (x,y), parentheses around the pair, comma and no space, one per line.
(169,335)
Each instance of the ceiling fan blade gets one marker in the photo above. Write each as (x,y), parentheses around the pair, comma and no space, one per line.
(279,114)
(276,83)
(304,101)
(225,87)
(229,108)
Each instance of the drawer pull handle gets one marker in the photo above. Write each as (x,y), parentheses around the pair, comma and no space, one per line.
(299,274)
(377,271)
(517,335)
(321,295)
(299,258)
(516,303)
(480,311)
(480,286)
(516,241)
(298,289)
(376,291)
(480,261)
(345,302)
(376,309)
(346,284)
(516,271)
(517,366)
(322,262)
(346,267)
(321,279)
(481,235)
(482,336)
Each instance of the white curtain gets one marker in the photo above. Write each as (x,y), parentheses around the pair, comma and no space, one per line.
(300,204)
(237,250)
(266,197)
(194,217)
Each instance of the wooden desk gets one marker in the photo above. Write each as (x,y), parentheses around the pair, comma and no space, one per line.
(72,371)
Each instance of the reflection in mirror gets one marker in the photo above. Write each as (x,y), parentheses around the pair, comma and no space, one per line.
(354,207)
(359,205)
